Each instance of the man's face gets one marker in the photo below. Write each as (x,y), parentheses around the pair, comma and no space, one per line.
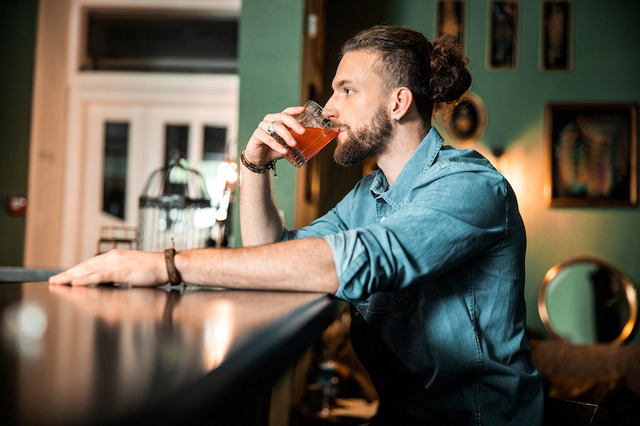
(358,108)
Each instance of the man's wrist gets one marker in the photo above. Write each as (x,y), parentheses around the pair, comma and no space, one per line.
(257,168)
(172,271)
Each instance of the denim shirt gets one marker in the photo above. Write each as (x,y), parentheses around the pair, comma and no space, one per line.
(433,267)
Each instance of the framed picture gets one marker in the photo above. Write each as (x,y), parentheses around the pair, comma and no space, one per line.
(503,34)
(467,120)
(450,19)
(592,154)
(555,31)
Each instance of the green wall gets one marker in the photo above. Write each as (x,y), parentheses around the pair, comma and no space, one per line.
(17,46)
(270,79)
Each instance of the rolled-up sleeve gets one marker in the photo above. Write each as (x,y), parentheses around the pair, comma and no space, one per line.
(451,214)
(421,241)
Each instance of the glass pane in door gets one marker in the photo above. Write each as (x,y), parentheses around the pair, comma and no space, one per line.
(215,140)
(114,179)
(213,162)
(176,142)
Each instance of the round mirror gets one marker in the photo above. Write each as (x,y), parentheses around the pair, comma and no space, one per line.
(587,300)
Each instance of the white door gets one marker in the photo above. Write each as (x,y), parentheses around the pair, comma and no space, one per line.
(125,143)
(116,161)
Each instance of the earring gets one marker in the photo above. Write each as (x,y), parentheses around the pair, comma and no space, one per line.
(395,120)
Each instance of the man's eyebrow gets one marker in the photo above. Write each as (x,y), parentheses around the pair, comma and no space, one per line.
(342,83)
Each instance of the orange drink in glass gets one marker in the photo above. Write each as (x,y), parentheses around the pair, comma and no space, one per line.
(318,133)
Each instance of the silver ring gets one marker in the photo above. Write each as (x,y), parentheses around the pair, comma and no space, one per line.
(270,128)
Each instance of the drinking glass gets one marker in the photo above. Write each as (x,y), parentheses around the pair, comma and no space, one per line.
(318,133)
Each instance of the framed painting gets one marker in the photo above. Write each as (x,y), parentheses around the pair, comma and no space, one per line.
(450,15)
(592,154)
(503,34)
(555,33)
(467,119)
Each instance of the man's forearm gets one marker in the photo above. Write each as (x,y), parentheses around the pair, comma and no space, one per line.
(260,222)
(297,265)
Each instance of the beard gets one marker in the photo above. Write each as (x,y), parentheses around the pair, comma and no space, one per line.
(361,144)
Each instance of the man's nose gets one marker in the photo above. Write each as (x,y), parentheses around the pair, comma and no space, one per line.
(329,109)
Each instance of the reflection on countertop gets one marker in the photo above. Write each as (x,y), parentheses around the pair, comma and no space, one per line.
(97,352)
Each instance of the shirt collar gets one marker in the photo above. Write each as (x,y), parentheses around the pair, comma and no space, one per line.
(423,158)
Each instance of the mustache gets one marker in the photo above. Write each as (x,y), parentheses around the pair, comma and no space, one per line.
(340,125)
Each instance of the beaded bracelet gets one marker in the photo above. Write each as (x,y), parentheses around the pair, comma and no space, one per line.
(271,165)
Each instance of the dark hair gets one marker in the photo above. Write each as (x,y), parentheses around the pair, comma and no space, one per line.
(435,73)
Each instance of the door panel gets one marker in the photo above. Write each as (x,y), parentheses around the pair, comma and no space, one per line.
(145,130)
(100,119)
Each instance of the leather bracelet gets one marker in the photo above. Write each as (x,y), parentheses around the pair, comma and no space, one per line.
(172,272)
(271,165)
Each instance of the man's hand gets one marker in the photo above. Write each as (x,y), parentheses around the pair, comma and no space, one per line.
(134,268)
(262,147)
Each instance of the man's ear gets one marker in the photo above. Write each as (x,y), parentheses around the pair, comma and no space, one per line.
(400,102)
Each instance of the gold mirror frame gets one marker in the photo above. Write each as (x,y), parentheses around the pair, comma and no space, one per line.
(629,289)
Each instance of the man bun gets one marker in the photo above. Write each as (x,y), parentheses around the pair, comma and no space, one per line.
(450,78)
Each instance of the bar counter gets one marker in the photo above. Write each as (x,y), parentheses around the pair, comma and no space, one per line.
(118,355)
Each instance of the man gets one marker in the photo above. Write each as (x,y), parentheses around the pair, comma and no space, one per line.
(429,249)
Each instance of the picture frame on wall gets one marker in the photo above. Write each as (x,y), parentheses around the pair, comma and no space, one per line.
(467,120)
(450,19)
(555,33)
(503,34)
(592,154)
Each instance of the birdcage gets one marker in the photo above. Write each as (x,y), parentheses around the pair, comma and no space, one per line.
(175,209)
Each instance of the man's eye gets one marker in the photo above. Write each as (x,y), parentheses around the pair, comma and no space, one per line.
(348,91)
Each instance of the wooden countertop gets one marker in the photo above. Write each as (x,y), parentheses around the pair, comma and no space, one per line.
(109,354)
